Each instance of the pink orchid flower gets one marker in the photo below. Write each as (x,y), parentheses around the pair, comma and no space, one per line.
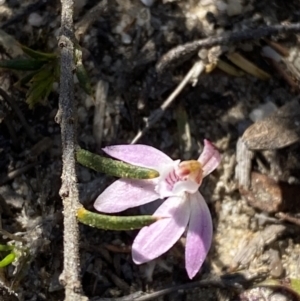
(183,208)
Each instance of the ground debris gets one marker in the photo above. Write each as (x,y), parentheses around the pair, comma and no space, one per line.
(280,129)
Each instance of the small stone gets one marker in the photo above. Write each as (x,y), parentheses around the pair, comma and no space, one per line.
(126,38)
(280,129)
(275,266)
(262,111)
(35,20)
(269,196)
(148,2)
(264,193)
(234,8)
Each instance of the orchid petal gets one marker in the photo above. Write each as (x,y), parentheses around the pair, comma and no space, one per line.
(142,155)
(124,194)
(210,158)
(185,186)
(156,239)
(199,235)
(163,187)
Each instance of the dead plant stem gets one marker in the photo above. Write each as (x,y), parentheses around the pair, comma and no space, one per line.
(66,117)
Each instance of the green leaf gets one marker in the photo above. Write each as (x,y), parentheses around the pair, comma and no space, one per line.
(83,79)
(6,248)
(26,79)
(22,64)
(38,55)
(7,260)
(81,73)
(41,86)
(39,92)
(295,285)
(118,223)
(113,167)
(290,284)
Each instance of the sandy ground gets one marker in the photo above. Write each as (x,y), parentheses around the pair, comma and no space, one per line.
(121,47)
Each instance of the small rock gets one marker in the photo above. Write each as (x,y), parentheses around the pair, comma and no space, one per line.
(280,129)
(35,20)
(148,2)
(234,8)
(267,195)
(262,111)
(275,266)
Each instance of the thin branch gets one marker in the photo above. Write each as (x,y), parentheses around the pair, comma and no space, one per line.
(130,297)
(181,53)
(99,113)
(193,73)
(66,116)
(232,281)
(17,172)
(187,286)
(90,17)
(289,218)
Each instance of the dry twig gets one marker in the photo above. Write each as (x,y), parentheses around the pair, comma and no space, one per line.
(226,282)
(181,53)
(194,72)
(69,191)
(17,172)
(89,18)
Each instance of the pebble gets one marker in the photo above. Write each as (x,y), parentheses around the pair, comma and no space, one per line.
(278,130)
(148,2)
(234,8)
(262,111)
(269,196)
(275,266)
(35,20)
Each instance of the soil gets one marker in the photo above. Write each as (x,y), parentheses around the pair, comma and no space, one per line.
(121,47)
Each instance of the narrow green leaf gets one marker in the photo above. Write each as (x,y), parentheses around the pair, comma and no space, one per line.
(43,73)
(41,84)
(82,75)
(113,167)
(295,285)
(39,91)
(118,223)
(7,260)
(83,79)
(6,248)
(26,79)
(22,64)
(290,284)
(38,55)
